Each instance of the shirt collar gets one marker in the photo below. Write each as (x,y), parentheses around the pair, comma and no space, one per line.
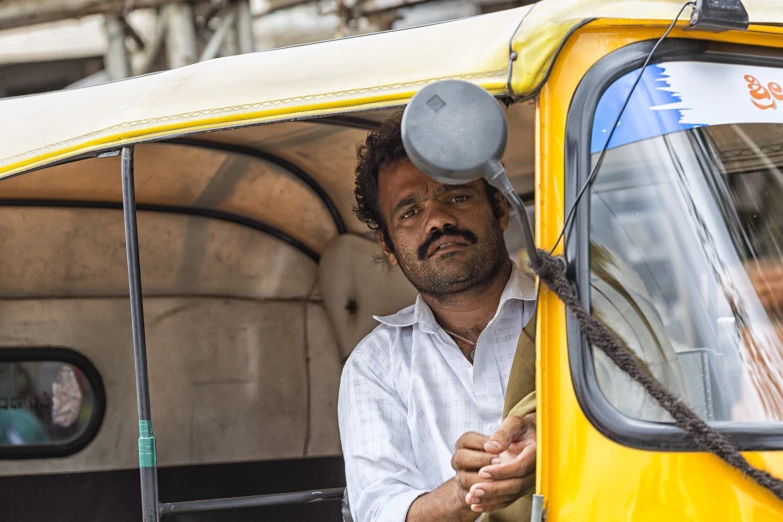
(519,286)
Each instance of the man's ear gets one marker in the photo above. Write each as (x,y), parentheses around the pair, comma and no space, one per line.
(385,247)
(503,219)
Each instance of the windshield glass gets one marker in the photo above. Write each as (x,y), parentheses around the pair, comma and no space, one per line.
(686,244)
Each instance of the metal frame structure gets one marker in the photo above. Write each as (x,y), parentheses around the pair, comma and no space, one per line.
(210,213)
(148,463)
(152,508)
(189,31)
(268,157)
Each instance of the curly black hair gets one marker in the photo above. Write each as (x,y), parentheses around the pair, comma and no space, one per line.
(383,149)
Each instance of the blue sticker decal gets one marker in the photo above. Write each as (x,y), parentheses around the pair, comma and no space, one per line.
(644,117)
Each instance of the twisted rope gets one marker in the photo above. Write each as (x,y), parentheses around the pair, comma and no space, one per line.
(553,273)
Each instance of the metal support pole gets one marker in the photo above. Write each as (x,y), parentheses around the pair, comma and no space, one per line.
(247,40)
(221,504)
(181,48)
(230,43)
(154,45)
(117,61)
(213,46)
(148,465)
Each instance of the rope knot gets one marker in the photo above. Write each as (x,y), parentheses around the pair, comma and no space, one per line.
(548,267)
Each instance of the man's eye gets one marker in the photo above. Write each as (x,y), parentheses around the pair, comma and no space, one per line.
(459,199)
(408,214)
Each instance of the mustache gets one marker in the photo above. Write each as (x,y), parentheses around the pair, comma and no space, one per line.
(450,232)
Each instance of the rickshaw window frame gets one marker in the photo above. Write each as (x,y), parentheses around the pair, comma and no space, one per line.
(613,424)
(74,358)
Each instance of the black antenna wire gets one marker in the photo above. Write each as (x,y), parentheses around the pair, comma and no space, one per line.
(600,161)
(552,271)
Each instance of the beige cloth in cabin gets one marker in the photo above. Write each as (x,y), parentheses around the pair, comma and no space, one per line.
(521,383)
(620,301)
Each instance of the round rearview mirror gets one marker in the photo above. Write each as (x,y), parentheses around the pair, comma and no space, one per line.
(455,132)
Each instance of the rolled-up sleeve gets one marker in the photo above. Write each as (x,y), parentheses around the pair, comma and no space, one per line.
(382,477)
(525,406)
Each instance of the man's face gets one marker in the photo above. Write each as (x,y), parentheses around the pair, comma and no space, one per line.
(445,238)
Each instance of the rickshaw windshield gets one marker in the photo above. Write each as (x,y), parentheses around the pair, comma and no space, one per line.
(686,240)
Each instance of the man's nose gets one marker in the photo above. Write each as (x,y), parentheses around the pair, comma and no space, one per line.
(439,216)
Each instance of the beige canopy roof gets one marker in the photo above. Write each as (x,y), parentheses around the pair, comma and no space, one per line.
(293,177)
(338,76)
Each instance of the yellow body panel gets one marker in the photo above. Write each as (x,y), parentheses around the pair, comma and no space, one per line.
(582,474)
(547,26)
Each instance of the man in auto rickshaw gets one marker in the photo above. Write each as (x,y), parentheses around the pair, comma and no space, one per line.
(437,405)
(422,397)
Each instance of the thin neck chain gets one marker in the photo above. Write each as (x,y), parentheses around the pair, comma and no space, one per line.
(460,338)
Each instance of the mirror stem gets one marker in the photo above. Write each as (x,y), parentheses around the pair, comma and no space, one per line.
(499,179)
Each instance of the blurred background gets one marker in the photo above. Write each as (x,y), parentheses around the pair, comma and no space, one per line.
(49,45)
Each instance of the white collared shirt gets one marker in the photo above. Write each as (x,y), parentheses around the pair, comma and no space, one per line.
(408,393)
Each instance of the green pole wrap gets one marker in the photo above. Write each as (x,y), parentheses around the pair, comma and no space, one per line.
(147,454)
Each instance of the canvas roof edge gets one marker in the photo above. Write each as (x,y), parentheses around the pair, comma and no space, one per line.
(550,23)
(338,76)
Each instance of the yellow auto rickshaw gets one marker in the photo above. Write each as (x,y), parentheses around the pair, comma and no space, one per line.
(645,140)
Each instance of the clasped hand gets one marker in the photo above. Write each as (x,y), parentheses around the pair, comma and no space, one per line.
(493,472)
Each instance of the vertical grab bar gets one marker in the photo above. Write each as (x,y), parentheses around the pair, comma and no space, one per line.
(148,466)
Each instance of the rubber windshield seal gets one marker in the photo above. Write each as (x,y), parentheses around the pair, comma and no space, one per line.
(601,414)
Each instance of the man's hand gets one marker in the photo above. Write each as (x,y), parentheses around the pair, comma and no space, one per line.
(469,457)
(511,473)
(449,501)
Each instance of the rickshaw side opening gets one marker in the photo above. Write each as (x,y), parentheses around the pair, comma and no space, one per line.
(324,221)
